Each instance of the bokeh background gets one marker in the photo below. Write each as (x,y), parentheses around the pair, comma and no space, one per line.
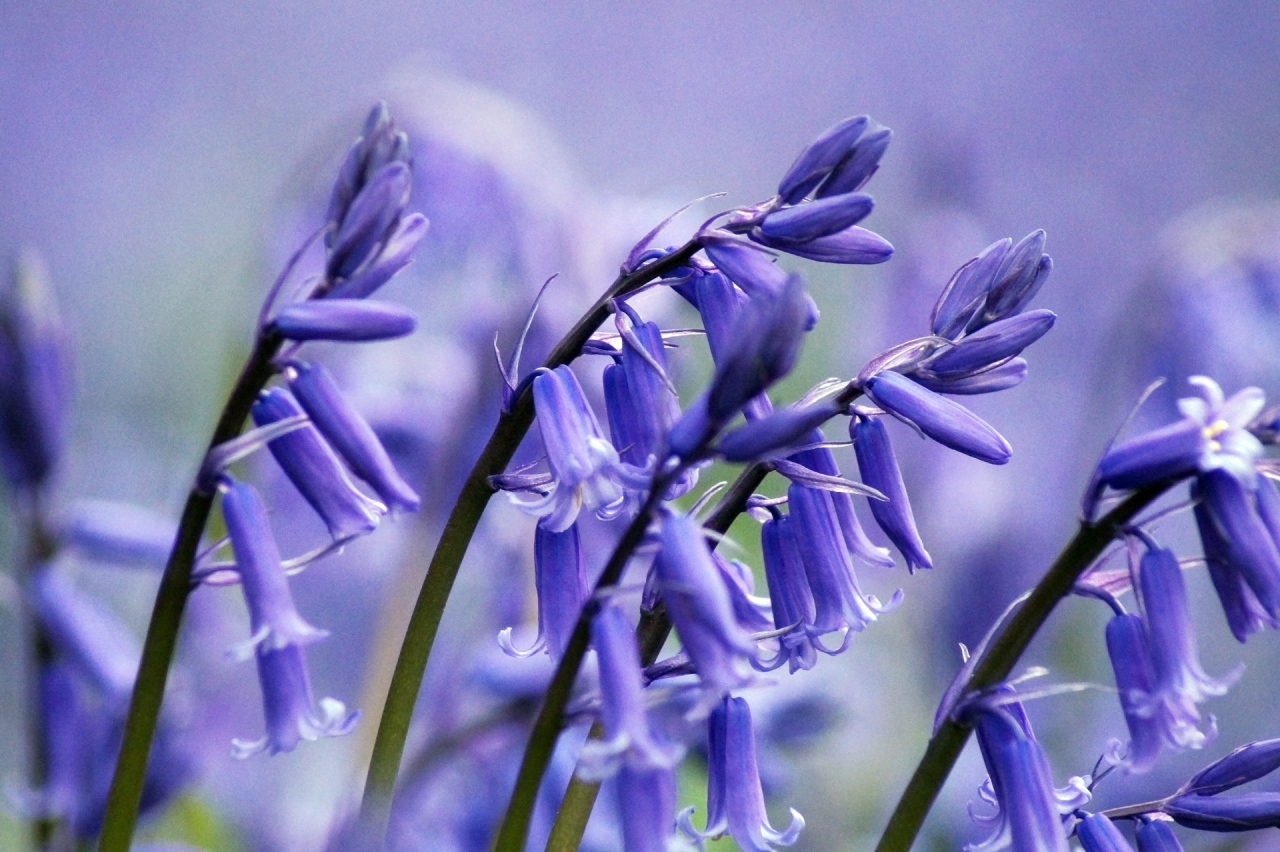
(162,155)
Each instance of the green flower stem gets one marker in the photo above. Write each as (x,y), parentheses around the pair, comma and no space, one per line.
(651,634)
(166,616)
(995,665)
(406,679)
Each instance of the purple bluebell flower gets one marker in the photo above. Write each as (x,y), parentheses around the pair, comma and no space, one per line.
(946,422)
(379,144)
(991,287)
(35,375)
(700,607)
(1000,377)
(1244,613)
(117,533)
(965,295)
(273,620)
(1021,784)
(721,304)
(821,460)
(838,601)
(784,428)
(766,344)
(1021,275)
(1180,683)
(628,736)
(754,614)
(1247,763)
(289,707)
(586,470)
(789,593)
(1156,835)
(1130,653)
(647,802)
(560,578)
(350,320)
(1212,435)
(817,161)
(855,245)
(991,345)
(735,800)
(315,470)
(751,268)
(1241,812)
(879,469)
(85,633)
(1230,508)
(1096,833)
(349,434)
(821,218)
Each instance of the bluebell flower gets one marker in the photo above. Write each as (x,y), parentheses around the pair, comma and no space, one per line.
(1156,835)
(629,740)
(560,578)
(1230,511)
(1030,810)
(1247,763)
(1180,683)
(117,533)
(700,608)
(789,593)
(754,614)
(315,470)
(839,603)
(1211,436)
(350,320)
(644,363)
(1241,812)
(735,800)
(879,469)
(35,375)
(780,430)
(991,345)
(586,470)
(1130,651)
(289,706)
(647,802)
(946,422)
(1096,833)
(821,157)
(995,285)
(273,620)
(1244,613)
(721,304)
(821,460)
(348,433)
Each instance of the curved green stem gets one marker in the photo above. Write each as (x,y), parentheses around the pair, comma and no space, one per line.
(406,679)
(998,661)
(166,616)
(651,634)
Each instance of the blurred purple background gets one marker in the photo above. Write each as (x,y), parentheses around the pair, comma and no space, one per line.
(147,150)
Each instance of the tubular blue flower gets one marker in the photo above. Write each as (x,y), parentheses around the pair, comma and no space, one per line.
(859,163)
(820,157)
(379,144)
(1249,548)
(964,296)
(805,222)
(349,320)
(1022,272)
(784,428)
(700,607)
(1096,833)
(35,375)
(1001,377)
(721,305)
(766,344)
(1156,835)
(752,269)
(946,422)
(372,218)
(586,470)
(647,803)
(1247,763)
(754,614)
(560,578)
(821,460)
(273,620)
(1244,613)
(855,245)
(879,469)
(735,800)
(1212,435)
(1181,683)
(289,707)
(117,533)
(315,471)
(629,740)
(383,265)
(838,601)
(1130,653)
(789,592)
(1021,784)
(992,344)
(1241,812)
(349,434)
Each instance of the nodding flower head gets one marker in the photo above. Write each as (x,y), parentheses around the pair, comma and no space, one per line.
(1212,435)
(585,468)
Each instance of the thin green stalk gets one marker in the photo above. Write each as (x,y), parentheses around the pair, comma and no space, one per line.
(998,661)
(651,634)
(406,679)
(166,616)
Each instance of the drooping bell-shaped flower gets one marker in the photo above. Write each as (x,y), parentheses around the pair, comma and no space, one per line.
(879,469)
(1096,833)
(788,592)
(1156,835)
(1130,653)
(273,619)
(560,578)
(315,470)
(35,375)
(700,607)
(586,471)
(946,422)
(349,434)
(289,707)
(822,460)
(647,804)
(1244,613)
(735,800)
(1230,507)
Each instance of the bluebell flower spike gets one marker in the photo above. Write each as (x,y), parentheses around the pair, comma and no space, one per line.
(349,434)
